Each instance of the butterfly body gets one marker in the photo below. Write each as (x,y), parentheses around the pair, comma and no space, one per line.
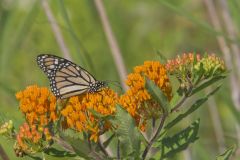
(66,78)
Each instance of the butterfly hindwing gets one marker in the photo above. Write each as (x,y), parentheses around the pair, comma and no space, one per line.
(66,78)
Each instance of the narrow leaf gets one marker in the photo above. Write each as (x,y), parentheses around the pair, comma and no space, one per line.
(125,122)
(169,146)
(56,152)
(157,94)
(194,107)
(175,99)
(227,154)
(207,83)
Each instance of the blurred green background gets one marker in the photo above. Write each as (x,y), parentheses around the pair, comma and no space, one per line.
(141,28)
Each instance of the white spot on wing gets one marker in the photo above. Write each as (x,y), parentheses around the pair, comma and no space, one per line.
(51,66)
(56,61)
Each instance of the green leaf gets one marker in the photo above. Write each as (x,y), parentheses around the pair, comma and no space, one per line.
(198,74)
(108,141)
(101,116)
(227,154)
(175,99)
(195,61)
(127,132)
(207,83)
(157,94)
(125,122)
(214,72)
(81,147)
(136,142)
(46,156)
(56,151)
(169,146)
(70,133)
(36,156)
(194,107)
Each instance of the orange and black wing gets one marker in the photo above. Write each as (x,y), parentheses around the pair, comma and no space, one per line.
(66,78)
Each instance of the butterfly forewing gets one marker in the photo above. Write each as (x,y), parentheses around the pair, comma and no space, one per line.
(66,78)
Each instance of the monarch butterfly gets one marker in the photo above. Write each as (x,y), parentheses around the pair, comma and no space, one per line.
(66,78)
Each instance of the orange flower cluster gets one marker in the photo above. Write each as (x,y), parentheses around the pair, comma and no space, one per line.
(181,63)
(191,69)
(38,105)
(137,100)
(30,139)
(79,110)
(190,66)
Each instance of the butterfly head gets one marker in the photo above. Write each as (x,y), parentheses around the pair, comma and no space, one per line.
(95,87)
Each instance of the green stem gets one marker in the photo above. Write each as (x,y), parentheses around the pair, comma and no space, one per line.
(102,148)
(43,157)
(118,150)
(187,94)
(179,104)
(155,135)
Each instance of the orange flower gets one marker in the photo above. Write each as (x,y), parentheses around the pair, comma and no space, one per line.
(190,69)
(182,63)
(95,133)
(137,101)
(30,140)
(38,105)
(78,112)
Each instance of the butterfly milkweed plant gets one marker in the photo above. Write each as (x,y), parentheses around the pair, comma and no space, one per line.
(108,125)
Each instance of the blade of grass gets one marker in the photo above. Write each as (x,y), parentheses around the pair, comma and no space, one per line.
(3,154)
(116,53)
(79,47)
(56,30)
(194,107)
(9,44)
